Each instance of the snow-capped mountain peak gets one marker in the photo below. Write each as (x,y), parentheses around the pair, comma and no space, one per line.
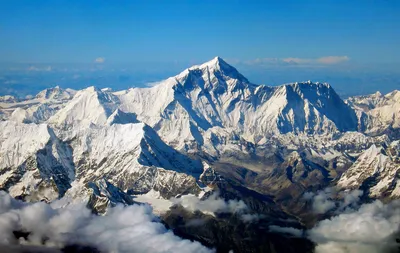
(214,75)
(378,167)
(217,63)
(55,93)
(89,106)
(394,95)
(8,99)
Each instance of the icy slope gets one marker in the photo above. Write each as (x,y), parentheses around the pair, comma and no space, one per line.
(377,170)
(38,109)
(89,106)
(215,94)
(378,112)
(56,94)
(134,158)
(34,162)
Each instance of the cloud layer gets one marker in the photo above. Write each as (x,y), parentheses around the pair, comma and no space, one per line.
(122,229)
(367,230)
(331,200)
(211,205)
(295,61)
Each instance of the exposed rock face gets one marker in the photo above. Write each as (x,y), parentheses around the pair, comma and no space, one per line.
(378,113)
(34,162)
(226,233)
(131,156)
(376,170)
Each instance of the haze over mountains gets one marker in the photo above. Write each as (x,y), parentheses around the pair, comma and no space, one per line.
(349,79)
(205,131)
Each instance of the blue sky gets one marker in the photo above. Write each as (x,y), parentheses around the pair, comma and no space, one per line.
(344,39)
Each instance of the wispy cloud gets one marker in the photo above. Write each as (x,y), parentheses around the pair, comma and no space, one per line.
(333,59)
(152,84)
(35,68)
(100,60)
(286,230)
(296,61)
(210,205)
(262,61)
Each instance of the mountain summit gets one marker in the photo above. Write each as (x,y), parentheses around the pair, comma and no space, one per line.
(215,94)
(216,64)
(215,75)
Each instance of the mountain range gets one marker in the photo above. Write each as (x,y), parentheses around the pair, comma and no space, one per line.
(207,129)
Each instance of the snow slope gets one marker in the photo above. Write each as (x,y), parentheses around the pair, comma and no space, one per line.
(215,94)
(378,112)
(378,168)
(33,161)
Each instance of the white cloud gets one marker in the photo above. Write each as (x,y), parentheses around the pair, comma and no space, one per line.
(211,205)
(44,69)
(121,229)
(259,61)
(294,60)
(322,201)
(214,204)
(351,199)
(333,59)
(100,60)
(321,61)
(368,229)
(152,84)
(249,218)
(286,230)
(329,199)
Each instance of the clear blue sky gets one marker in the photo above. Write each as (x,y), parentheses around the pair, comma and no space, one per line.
(339,41)
(126,31)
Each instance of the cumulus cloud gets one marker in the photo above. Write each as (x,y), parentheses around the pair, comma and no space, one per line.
(121,229)
(351,200)
(368,229)
(211,205)
(355,228)
(322,201)
(329,199)
(100,60)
